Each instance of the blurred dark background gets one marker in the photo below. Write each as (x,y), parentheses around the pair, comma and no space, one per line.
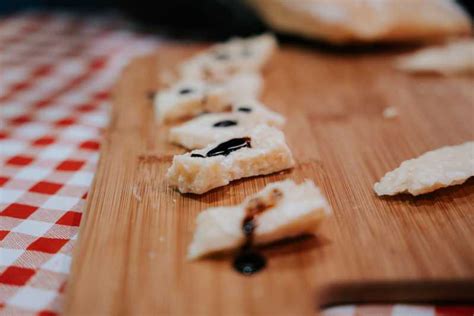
(214,18)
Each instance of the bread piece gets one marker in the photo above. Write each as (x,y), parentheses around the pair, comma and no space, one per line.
(243,86)
(286,210)
(260,151)
(189,98)
(455,57)
(258,109)
(435,169)
(236,55)
(346,21)
(210,128)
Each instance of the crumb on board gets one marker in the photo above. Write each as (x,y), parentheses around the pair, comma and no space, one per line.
(135,194)
(390,112)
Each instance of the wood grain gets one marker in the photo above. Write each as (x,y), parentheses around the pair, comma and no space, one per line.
(130,256)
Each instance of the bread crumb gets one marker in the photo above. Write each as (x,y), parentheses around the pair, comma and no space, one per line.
(390,112)
(135,194)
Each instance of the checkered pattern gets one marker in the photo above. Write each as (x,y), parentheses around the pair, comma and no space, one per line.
(56,72)
(55,75)
(399,310)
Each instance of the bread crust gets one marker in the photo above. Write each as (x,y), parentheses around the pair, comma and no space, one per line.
(355,21)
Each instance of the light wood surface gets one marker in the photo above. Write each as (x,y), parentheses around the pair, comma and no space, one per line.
(130,256)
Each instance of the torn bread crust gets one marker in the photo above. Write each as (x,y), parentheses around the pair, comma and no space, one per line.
(212,127)
(295,210)
(259,151)
(435,169)
(455,57)
(234,56)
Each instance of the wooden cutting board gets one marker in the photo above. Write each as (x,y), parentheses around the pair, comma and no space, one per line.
(130,256)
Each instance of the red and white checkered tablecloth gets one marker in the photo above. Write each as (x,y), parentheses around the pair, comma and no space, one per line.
(55,74)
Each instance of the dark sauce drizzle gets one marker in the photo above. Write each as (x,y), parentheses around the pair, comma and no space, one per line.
(248,260)
(197,156)
(185,91)
(225,148)
(229,146)
(244,109)
(151,95)
(225,123)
